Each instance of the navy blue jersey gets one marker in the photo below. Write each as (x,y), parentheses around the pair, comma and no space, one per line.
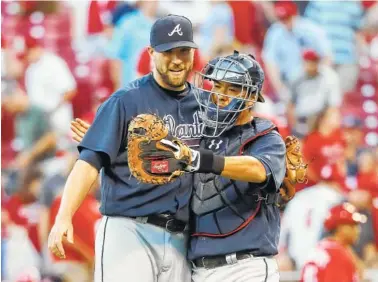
(261,235)
(121,194)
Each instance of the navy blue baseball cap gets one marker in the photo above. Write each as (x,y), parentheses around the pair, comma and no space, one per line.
(170,32)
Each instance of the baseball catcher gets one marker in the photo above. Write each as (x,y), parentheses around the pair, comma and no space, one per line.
(157,157)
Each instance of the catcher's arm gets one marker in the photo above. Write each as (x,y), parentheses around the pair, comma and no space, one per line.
(244,168)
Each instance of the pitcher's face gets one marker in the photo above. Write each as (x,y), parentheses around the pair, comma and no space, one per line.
(174,66)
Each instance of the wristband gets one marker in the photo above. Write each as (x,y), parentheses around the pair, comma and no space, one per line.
(210,163)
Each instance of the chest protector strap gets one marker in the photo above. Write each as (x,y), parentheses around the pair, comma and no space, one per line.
(259,199)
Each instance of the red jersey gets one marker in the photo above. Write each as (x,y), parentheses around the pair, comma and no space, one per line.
(320,151)
(249,22)
(7,135)
(26,215)
(84,224)
(330,262)
(99,15)
(368,181)
(89,117)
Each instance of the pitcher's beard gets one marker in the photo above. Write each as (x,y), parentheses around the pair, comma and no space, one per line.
(174,81)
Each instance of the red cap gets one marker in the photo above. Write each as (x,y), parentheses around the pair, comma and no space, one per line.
(285,9)
(310,55)
(343,214)
(31,42)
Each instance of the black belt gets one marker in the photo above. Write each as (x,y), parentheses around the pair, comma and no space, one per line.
(218,261)
(165,221)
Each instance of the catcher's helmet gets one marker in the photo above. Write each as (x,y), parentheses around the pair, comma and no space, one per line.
(240,70)
(343,214)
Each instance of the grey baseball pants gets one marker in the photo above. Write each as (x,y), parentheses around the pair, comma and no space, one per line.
(128,250)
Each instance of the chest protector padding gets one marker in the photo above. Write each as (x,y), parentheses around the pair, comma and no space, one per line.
(220,207)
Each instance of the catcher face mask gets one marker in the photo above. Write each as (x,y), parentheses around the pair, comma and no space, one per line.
(232,90)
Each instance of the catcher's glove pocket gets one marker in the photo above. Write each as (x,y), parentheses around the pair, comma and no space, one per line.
(139,131)
(155,156)
(162,167)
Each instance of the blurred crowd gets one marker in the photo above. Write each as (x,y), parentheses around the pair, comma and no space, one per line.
(61,59)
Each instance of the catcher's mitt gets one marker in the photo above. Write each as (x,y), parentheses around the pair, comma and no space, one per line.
(155,156)
(296,170)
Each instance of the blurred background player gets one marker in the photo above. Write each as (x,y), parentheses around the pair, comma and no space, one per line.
(284,43)
(41,82)
(343,32)
(333,259)
(324,146)
(311,93)
(125,46)
(302,221)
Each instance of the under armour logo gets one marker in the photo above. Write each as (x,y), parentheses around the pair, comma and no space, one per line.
(212,143)
(176,29)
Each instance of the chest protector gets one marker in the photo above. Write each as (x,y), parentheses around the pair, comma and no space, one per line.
(220,207)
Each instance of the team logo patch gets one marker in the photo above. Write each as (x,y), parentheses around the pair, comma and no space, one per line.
(216,144)
(177,30)
(159,167)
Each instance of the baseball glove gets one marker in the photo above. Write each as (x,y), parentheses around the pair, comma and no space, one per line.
(154,156)
(296,170)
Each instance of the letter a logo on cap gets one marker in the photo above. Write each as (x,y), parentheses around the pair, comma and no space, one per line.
(176,29)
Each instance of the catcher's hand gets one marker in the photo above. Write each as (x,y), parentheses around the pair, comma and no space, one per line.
(154,156)
(78,129)
(296,170)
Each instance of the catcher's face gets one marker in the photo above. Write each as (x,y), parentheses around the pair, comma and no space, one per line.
(225,92)
(173,66)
